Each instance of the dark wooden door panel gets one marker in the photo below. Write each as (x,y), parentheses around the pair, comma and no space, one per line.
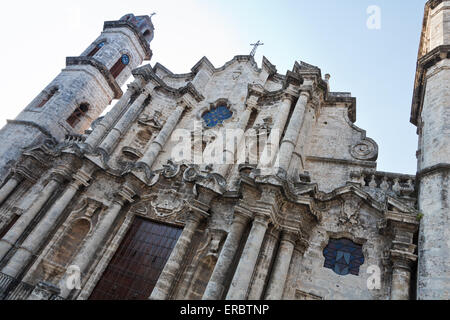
(138,262)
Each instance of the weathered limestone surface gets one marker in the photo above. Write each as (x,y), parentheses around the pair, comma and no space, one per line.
(247,233)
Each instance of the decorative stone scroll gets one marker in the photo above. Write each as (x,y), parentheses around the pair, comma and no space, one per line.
(365,149)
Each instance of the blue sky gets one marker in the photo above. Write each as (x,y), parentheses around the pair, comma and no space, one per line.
(376,66)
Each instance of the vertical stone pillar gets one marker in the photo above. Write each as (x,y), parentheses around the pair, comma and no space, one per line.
(155,146)
(264,265)
(9,186)
(242,276)
(280,270)
(33,242)
(13,234)
(270,150)
(215,287)
(291,135)
(230,147)
(86,255)
(401,274)
(122,125)
(107,122)
(166,279)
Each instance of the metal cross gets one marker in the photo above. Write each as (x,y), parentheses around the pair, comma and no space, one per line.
(255,46)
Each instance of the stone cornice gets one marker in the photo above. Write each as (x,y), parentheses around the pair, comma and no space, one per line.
(148,74)
(73,61)
(31,124)
(423,64)
(118,24)
(438,168)
(433,3)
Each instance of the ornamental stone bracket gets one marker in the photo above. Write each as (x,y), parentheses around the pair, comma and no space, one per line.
(44,291)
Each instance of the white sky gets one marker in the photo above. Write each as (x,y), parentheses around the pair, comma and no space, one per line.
(37,36)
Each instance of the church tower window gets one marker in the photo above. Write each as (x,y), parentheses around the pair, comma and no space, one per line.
(120,65)
(76,116)
(216,116)
(343,256)
(47,97)
(96,49)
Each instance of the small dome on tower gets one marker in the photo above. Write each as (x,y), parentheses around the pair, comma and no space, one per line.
(143,23)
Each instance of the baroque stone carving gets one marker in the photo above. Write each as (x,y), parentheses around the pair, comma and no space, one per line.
(168,202)
(364,150)
(350,211)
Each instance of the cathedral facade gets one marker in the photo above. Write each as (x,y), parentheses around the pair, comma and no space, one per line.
(233,182)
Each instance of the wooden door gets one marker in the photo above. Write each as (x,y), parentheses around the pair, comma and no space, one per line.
(138,262)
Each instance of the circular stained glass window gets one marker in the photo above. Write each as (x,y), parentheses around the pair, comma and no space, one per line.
(125,59)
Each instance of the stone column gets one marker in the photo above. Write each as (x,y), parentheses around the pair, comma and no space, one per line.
(401,274)
(153,149)
(122,125)
(263,265)
(86,255)
(242,276)
(33,242)
(269,152)
(240,128)
(279,275)
(9,186)
(402,253)
(13,234)
(215,287)
(291,135)
(165,281)
(106,123)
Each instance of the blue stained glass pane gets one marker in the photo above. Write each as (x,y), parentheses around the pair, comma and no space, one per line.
(101,44)
(125,59)
(216,116)
(343,256)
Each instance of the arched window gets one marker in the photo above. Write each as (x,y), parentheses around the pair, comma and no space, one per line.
(79,113)
(343,256)
(120,65)
(95,50)
(216,116)
(47,97)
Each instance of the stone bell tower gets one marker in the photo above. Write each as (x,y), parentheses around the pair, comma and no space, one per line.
(431,114)
(83,89)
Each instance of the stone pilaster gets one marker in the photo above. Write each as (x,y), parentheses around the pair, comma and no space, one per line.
(402,257)
(153,149)
(33,242)
(106,123)
(271,148)
(242,276)
(9,186)
(87,253)
(215,287)
(122,125)
(166,279)
(265,261)
(401,274)
(291,135)
(13,234)
(281,267)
